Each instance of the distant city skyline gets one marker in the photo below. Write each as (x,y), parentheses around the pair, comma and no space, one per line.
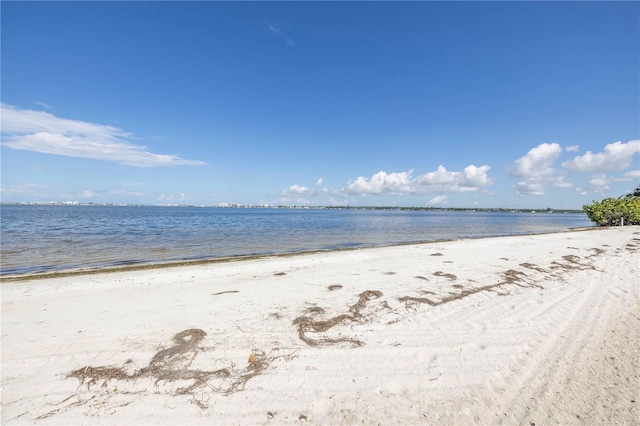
(419,104)
(290,207)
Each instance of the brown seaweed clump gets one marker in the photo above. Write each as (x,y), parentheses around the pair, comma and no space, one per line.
(307,324)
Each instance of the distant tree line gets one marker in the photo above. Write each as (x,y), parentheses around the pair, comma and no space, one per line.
(624,210)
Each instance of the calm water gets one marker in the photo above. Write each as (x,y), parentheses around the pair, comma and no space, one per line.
(38,238)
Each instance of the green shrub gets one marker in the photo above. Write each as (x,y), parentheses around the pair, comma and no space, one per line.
(615,211)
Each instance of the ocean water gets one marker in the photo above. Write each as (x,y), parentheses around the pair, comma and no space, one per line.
(40,238)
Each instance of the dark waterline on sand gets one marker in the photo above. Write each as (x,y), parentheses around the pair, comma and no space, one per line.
(50,238)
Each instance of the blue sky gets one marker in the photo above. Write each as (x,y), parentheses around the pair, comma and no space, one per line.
(449,104)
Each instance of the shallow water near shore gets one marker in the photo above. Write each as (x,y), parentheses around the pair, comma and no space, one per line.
(47,238)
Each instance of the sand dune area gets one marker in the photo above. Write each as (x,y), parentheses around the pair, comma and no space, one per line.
(536,329)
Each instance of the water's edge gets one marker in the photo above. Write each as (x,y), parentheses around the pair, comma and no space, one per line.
(62,273)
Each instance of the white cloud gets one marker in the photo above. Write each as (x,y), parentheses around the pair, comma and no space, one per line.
(126,193)
(476,176)
(440,181)
(34,192)
(277,30)
(42,104)
(615,157)
(382,182)
(171,198)
(599,182)
(119,192)
(16,121)
(560,183)
(272,27)
(297,190)
(440,199)
(297,194)
(633,174)
(533,186)
(537,166)
(582,191)
(537,162)
(43,132)
(537,169)
(28,189)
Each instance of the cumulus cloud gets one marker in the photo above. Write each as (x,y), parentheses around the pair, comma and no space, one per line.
(632,175)
(440,181)
(532,186)
(537,162)
(440,199)
(615,157)
(537,169)
(297,194)
(599,182)
(535,186)
(40,131)
(381,182)
(297,190)
(582,191)
(559,182)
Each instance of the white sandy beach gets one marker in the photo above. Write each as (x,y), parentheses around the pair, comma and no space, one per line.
(541,329)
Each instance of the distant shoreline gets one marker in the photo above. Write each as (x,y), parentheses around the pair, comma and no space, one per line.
(265,206)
